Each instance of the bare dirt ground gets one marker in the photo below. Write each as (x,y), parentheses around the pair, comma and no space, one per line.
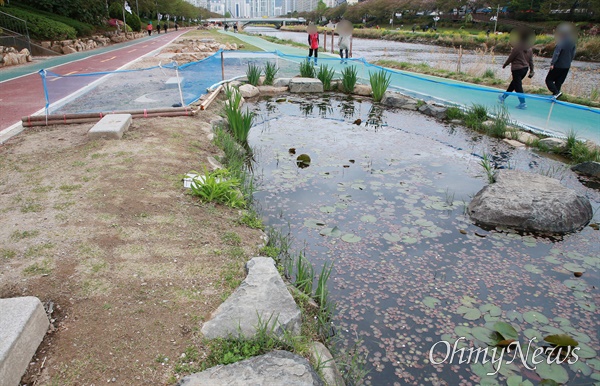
(105,232)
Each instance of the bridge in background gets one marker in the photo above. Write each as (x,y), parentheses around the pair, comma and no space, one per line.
(277,21)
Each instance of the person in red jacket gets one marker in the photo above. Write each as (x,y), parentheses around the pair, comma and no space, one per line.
(313,42)
(149,29)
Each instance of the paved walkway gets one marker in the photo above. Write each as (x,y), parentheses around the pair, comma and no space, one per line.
(21,89)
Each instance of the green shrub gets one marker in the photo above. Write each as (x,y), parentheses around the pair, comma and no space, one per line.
(500,126)
(475,116)
(133,21)
(325,75)
(253,74)
(380,81)
(42,28)
(349,78)
(307,70)
(239,122)
(83,29)
(271,71)
(455,113)
(218,186)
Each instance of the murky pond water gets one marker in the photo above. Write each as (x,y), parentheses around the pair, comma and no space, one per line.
(384,201)
(584,77)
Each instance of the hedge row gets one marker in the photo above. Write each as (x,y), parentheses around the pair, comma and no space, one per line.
(42,28)
(83,29)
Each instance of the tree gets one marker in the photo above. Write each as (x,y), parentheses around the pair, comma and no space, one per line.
(227,14)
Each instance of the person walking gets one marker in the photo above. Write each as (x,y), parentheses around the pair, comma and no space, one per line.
(521,62)
(313,42)
(563,55)
(149,29)
(158,28)
(176,27)
(165,27)
(344,46)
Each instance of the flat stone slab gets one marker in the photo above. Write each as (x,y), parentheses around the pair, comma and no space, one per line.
(305,85)
(531,203)
(362,90)
(272,90)
(262,297)
(556,144)
(395,99)
(433,111)
(112,126)
(281,82)
(329,370)
(274,368)
(514,143)
(174,82)
(23,325)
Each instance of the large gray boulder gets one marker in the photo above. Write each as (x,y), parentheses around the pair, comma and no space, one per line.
(249,91)
(554,144)
(305,85)
(395,99)
(274,368)
(591,169)
(530,202)
(437,112)
(262,297)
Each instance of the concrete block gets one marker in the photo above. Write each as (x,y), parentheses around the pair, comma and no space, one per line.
(23,325)
(305,85)
(174,82)
(272,90)
(281,82)
(112,126)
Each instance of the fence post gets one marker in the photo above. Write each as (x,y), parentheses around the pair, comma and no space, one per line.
(325,40)
(332,33)
(222,67)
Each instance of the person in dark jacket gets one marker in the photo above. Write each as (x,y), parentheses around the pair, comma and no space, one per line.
(521,62)
(158,28)
(165,27)
(564,52)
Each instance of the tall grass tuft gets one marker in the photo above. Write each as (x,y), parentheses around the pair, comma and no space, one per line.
(489,73)
(218,186)
(325,75)
(475,117)
(380,81)
(239,122)
(454,113)
(307,70)
(253,74)
(305,275)
(271,71)
(349,78)
(486,164)
(501,121)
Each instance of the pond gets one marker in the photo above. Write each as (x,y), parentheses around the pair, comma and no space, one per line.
(384,199)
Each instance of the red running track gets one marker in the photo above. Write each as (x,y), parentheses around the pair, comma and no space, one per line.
(25,95)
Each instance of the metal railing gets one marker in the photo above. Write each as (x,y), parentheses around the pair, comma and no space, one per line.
(14,27)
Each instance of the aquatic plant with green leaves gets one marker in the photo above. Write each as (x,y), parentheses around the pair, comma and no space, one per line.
(380,81)
(253,73)
(486,164)
(271,71)
(239,122)
(349,79)
(218,186)
(307,70)
(325,75)
(454,112)
(475,116)
(500,124)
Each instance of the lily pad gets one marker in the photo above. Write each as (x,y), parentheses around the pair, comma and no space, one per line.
(368,218)
(585,351)
(482,334)
(552,371)
(331,232)
(580,367)
(535,317)
(471,313)
(430,301)
(492,309)
(327,209)
(506,330)
(312,223)
(391,237)
(576,285)
(561,340)
(532,268)
(351,238)
(517,380)
(303,161)
(574,267)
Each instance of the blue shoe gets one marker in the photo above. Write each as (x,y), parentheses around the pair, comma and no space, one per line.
(522,106)
(501,98)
